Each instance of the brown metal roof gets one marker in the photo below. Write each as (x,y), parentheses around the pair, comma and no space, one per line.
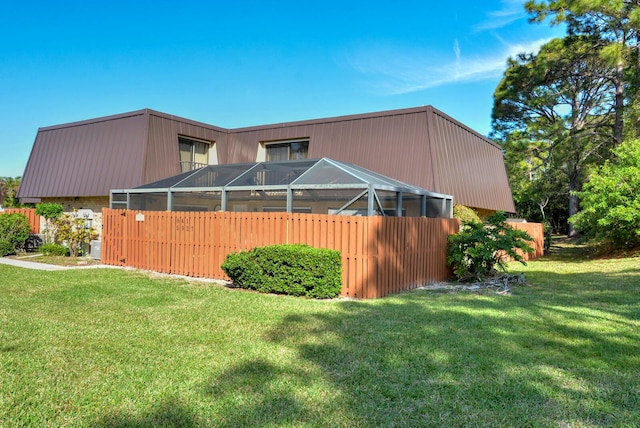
(90,157)
(420,146)
(85,158)
(468,165)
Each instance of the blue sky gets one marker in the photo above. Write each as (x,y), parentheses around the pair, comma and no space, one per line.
(244,63)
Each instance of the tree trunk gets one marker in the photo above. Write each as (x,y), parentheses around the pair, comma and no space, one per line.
(574,203)
(633,93)
(618,126)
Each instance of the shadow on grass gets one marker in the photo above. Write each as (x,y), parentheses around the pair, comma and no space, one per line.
(258,393)
(401,364)
(564,352)
(170,413)
(545,356)
(614,292)
(569,250)
(578,251)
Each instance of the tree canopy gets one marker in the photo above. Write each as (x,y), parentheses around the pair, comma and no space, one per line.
(559,113)
(9,192)
(610,201)
(554,114)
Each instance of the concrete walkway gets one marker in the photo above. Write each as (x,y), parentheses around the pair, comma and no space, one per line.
(43,266)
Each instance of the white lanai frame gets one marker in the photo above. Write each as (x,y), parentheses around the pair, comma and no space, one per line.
(290,177)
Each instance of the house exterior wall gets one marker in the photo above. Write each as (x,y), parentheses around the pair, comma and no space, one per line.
(69,205)
(94,203)
(421,146)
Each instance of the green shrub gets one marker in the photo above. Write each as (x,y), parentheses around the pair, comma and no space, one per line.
(609,200)
(73,230)
(478,250)
(548,236)
(54,250)
(15,229)
(465,214)
(6,248)
(50,211)
(243,270)
(298,270)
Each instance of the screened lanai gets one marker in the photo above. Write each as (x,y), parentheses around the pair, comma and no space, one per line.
(319,186)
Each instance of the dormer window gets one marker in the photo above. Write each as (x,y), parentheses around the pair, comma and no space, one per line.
(286,150)
(194,153)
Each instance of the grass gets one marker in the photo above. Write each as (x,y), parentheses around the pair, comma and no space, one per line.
(117,348)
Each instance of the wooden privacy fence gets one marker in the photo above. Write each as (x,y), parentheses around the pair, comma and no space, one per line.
(380,255)
(30,213)
(536,231)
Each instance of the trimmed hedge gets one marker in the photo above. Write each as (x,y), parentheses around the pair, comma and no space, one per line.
(297,270)
(54,250)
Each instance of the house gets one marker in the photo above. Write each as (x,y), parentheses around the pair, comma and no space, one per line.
(77,164)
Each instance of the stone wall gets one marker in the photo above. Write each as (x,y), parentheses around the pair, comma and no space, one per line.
(69,205)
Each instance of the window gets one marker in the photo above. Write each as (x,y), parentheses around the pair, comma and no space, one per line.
(194,153)
(286,150)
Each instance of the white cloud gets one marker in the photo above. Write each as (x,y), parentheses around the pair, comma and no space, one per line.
(405,73)
(510,11)
(456,51)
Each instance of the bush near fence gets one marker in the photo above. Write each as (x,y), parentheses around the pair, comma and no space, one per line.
(294,269)
(30,213)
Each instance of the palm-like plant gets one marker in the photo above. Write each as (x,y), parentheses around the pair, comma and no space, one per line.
(9,191)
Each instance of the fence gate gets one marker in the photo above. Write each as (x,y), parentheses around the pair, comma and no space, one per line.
(114,250)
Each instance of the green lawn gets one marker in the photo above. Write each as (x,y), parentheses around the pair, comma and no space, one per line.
(116,348)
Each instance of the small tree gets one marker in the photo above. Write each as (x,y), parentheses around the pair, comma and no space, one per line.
(50,212)
(73,230)
(610,202)
(479,250)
